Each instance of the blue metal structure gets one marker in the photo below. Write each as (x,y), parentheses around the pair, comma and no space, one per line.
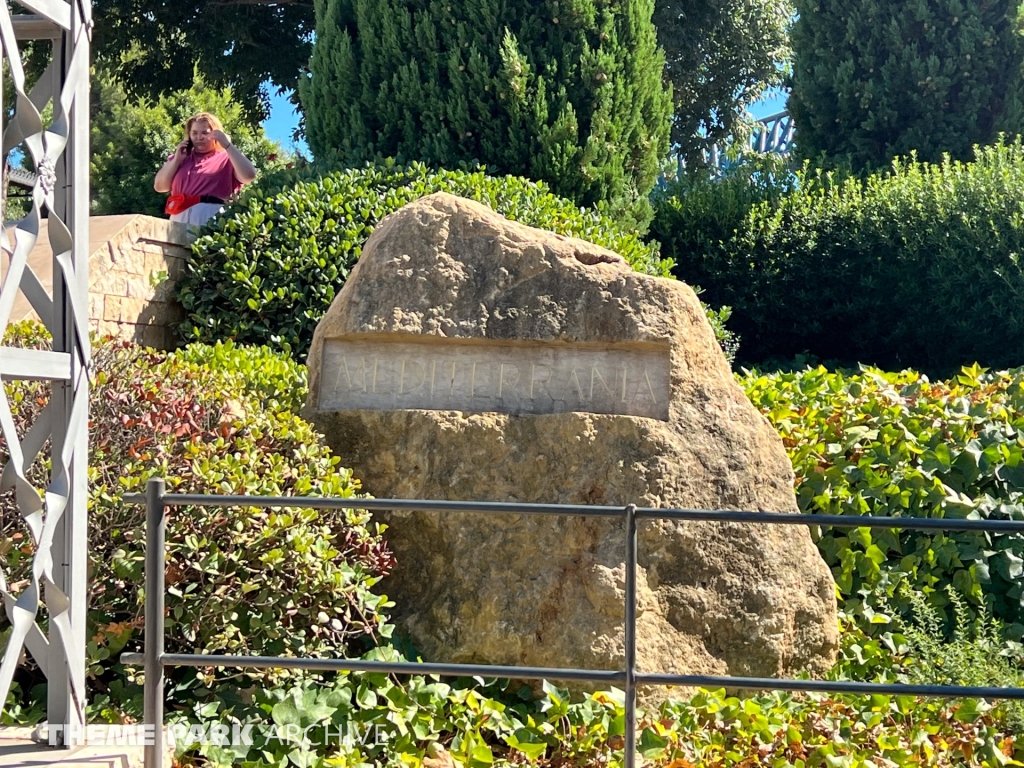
(773,136)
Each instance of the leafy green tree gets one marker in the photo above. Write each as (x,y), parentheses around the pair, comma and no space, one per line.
(131,139)
(563,91)
(875,79)
(241,44)
(720,56)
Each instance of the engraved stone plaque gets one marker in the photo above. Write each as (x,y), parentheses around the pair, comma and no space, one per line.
(442,374)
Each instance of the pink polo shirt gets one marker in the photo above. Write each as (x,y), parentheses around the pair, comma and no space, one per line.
(210,174)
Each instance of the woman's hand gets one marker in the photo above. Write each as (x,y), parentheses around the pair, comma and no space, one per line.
(245,171)
(165,176)
(222,138)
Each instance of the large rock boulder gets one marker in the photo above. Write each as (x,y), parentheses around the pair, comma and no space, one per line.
(469,357)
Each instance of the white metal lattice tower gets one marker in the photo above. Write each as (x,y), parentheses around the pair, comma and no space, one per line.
(55,515)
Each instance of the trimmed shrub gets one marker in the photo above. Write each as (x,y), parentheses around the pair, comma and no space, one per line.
(876,79)
(699,212)
(919,267)
(571,96)
(290,582)
(267,271)
(898,445)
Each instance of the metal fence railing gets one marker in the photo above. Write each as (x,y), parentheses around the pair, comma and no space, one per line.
(155,659)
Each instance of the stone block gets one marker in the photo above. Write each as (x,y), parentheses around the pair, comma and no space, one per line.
(139,287)
(128,310)
(112,308)
(469,357)
(110,255)
(156,262)
(129,259)
(164,291)
(175,267)
(167,232)
(153,336)
(161,313)
(113,282)
(110,328)
(96,301)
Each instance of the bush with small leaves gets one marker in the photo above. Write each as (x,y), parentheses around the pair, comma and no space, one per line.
(288,582)
(266,271)
(917,267)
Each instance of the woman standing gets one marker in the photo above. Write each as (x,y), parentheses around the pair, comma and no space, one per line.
(205,170)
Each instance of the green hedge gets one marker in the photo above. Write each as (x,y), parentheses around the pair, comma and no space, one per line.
(899,445)
(919,267)
(267,271)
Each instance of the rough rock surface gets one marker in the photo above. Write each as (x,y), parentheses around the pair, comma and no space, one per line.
(713,598)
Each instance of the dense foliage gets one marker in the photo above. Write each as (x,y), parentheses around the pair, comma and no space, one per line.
(429,723)
(874,79)
(898,445)
(292,582)
(568,94)
(699,212)
(248,46)
(268,270)
(720,56)
(131,139)
(221,419)
(919,267)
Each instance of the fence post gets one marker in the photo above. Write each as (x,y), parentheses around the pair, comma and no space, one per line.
(630,637)
(153,649)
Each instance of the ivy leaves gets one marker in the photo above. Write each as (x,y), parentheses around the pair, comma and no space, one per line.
(897,444)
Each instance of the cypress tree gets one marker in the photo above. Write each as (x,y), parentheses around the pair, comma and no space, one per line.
(874,79)
(568,92)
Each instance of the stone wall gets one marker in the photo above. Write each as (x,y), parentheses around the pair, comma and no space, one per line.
(132,277)
(134,263)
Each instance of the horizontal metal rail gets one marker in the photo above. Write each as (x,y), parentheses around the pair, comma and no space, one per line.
(584,675)
(832,686)
(582,510)
(773,134)
(155,660)
(386,667)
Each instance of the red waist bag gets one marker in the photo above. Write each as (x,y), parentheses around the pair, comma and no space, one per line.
(178,203)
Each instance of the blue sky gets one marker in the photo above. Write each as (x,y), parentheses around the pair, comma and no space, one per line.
(283,117)
(773,102)
(282,121)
